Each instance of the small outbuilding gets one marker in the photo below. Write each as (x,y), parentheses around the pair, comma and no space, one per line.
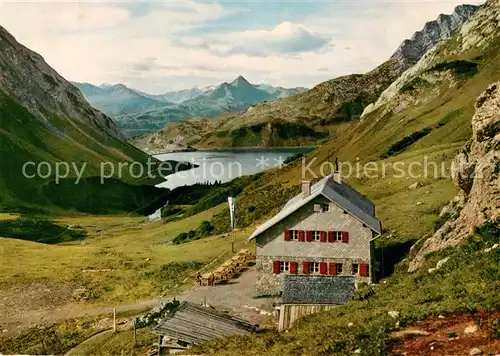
(191,324)
(305,295)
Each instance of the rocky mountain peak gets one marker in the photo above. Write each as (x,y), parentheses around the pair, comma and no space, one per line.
(240,81)
(119,86)
(411,50)
(26,76)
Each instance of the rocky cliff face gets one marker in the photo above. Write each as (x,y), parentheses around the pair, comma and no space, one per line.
(476,170)
(411,50)
(474,28)
(25,76)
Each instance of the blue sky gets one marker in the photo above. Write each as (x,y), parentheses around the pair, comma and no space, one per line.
(170,45)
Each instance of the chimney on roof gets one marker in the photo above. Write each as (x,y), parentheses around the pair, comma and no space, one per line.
(306,188)
(337,177)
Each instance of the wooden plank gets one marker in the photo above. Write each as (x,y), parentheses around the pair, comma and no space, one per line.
(293,312)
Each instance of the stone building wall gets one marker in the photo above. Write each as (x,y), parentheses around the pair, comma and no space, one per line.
(271,245)
(271,283)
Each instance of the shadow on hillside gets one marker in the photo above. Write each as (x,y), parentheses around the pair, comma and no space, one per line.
(39,230)
(389,255)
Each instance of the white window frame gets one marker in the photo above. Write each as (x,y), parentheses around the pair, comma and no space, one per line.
(325,205)
(294,235)
(316,235)
(337,265)
(313,267)
(284,266)
(337,235)
(356,273)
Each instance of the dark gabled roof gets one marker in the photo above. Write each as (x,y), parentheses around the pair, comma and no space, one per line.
(193,323)
(300,289)
(338,193)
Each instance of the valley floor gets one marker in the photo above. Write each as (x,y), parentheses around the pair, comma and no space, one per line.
(124,262)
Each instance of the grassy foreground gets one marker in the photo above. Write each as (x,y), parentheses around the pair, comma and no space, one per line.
(57,339)
(121,342)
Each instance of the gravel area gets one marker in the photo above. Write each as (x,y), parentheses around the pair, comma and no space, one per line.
(235,296)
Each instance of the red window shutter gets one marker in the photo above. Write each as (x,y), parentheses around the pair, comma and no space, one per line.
(323,236)
(276,267)
(309,236)
(363,270)
(293,267)
(301,235)
(322,268)
(331,236)
(332,269)
(305,267)
(345,236)
(286,234)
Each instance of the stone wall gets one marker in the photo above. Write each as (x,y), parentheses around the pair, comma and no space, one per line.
(270,283)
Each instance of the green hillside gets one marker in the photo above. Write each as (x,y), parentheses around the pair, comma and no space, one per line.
(44,122)
(24,139)
(440,102)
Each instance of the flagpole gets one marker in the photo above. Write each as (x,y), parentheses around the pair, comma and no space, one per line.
(232,213)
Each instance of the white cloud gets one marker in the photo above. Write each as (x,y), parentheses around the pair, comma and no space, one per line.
(107,42)
(284,39)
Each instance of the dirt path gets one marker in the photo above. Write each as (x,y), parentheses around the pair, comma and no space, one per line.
(28,318)
(235,296)
(90,339)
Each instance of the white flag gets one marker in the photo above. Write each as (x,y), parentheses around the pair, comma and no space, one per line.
(232,211)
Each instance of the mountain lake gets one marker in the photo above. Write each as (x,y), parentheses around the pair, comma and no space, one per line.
(224,165)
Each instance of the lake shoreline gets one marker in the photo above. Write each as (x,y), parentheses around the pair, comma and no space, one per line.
(301,149)
(261,149)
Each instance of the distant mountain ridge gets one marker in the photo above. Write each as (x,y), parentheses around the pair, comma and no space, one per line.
(178,97)
(118,100)
(315,116)
(136,112)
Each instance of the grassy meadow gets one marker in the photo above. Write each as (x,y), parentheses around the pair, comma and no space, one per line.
(125,258)
(122,258)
